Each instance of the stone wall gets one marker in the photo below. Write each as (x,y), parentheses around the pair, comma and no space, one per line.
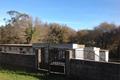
(18,60)
(17,49)
(91,70)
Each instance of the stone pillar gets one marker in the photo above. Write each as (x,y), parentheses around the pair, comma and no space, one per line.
(67,61)
(37,58)
(97,54)
(107,55)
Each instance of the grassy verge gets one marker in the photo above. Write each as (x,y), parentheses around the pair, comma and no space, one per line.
(12,73)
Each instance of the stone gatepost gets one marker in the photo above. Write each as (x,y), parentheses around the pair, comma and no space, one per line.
(67,61)
(37,58)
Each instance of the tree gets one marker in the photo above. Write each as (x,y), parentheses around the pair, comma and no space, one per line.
(18,25)
(104,36)
(55,34)
(16,16)
(69,35)
(105,27)
(85,37)
(29,31)
(40,31)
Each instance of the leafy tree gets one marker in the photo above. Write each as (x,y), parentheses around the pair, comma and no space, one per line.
(29,33)
(105,27)
(55,34)
(16,26)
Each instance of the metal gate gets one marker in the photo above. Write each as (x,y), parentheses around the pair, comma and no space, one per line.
(57,60)
(51,59)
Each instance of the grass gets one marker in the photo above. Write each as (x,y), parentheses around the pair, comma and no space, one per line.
(12,73)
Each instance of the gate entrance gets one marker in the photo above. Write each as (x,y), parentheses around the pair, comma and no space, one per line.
(57,60)
(49,58)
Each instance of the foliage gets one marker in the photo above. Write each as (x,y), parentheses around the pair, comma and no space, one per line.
(59,33)
(21,28)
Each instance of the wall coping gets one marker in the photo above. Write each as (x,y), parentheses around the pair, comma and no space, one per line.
(97,61)
(17,45)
